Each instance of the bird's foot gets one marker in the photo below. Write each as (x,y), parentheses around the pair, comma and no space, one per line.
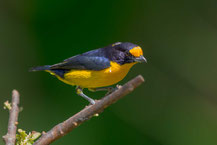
(111,90)
(79,91)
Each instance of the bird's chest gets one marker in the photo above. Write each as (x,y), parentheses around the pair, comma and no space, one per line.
(95,79)
(111,75)
(116,70)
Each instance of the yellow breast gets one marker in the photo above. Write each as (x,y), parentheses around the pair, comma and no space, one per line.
(95,79)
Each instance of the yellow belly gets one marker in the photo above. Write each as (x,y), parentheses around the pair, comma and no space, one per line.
(95,79)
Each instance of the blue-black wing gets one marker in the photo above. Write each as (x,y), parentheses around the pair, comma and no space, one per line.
(87,61)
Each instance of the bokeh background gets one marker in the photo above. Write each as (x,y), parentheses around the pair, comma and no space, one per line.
(177,105)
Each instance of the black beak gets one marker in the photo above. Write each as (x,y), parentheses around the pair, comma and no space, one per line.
(140,59)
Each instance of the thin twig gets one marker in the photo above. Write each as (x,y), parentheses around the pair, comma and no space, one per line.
(10,137)
(65,127)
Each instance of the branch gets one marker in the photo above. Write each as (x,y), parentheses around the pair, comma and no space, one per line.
(10,137)
(68,125)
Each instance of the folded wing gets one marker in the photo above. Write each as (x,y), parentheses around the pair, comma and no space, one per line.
(81,62)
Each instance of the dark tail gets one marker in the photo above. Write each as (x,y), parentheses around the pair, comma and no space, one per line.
(40,68)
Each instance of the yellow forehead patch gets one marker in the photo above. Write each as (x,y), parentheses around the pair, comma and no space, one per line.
(136,51)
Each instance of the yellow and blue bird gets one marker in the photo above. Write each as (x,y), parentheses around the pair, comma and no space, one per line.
(96,69)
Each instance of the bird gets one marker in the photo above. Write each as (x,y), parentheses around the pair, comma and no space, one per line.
(96,69)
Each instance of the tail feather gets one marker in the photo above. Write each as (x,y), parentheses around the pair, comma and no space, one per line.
(40,68)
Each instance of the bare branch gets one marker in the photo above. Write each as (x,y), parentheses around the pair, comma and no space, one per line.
(65,127)
(10,137)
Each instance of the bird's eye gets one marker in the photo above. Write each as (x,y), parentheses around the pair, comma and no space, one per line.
(127,54)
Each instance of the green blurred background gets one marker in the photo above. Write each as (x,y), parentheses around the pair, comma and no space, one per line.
(176,106)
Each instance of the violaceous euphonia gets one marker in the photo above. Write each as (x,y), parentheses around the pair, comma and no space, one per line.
(97,68)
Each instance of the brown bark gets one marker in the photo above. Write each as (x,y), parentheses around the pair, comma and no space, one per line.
(10,137)
(68,125)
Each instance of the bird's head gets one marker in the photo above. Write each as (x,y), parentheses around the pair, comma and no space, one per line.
(129,52)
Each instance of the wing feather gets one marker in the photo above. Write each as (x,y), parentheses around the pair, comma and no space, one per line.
(83,63)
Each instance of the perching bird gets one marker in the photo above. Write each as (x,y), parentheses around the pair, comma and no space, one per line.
(97,68)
